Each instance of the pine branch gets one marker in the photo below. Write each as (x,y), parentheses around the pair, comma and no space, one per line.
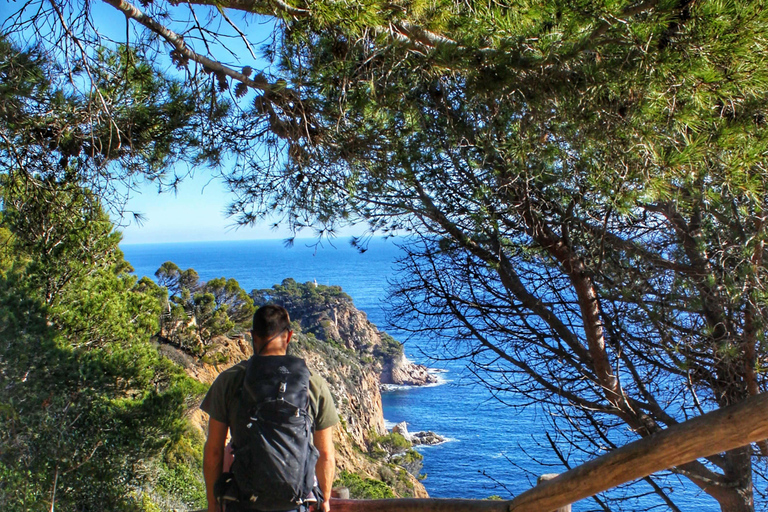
(177,41)
(401,31)
(268,7)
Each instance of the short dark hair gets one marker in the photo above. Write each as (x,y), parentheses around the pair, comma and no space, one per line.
(270,320)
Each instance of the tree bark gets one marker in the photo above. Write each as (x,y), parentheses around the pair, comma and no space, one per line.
(737,497)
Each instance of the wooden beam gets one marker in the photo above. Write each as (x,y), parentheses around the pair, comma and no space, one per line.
(712,433)
(419,505)
(546,478)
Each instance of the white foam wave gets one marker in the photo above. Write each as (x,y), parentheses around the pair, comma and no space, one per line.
(447,440)
(394,387)
(389,424)
(440,381)
(404,387)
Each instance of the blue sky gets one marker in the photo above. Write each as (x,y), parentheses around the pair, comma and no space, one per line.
(196,212)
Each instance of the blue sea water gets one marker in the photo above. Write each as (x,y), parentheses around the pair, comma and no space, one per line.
(490,445)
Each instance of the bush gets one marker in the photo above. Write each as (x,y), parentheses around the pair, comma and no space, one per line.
(180,483)
(389,349)
(363,488)
(390,443)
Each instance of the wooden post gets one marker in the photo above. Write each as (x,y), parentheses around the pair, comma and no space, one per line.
(341,493)
(552,476)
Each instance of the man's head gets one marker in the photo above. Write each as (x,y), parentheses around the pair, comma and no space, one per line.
(271,330)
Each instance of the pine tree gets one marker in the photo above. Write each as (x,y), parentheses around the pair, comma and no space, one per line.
(88,407)
(584,183)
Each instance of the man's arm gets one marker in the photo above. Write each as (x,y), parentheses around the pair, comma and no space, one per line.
(213,458)
(326,464)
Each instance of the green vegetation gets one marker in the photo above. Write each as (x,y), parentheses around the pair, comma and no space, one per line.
(363,488)
(88,408)
(411,461)
(303,296)
(194,313)
(411,456)
(389,348)
(585,182)
(397,478)
(180,484)
(381,446)
(311,305)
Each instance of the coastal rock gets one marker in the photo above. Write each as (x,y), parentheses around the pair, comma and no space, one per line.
(411,460)
(328,314)
(428,438)
(356,393)
(401,371)
(334,319)
(402,429)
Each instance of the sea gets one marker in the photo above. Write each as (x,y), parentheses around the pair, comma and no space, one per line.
(491,448)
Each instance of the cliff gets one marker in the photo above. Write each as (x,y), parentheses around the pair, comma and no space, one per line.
(328,314)
(338,342)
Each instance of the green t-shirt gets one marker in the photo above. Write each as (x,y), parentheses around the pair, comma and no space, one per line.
(221,401)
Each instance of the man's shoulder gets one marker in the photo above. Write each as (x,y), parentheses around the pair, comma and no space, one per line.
(317,379)
(322,402)
(235,368)
(230,375)
(217,400)
(318,385)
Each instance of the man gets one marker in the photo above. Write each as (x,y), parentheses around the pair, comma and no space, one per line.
(271,334)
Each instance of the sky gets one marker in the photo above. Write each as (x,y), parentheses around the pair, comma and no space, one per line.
(196,212)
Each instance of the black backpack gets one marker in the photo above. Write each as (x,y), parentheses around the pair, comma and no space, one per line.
(274,465)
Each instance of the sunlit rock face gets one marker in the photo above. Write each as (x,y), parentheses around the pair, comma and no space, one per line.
(338,342)
(401,371)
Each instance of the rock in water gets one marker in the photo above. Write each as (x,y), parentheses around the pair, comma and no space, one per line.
(428,438)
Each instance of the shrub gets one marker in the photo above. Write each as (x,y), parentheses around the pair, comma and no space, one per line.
(363,488)
(391,443)
(389,349)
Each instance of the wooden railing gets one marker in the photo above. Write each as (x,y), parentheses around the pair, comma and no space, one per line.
(428,505)
(712,433)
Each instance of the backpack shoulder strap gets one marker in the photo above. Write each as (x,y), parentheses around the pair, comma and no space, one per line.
(234,399)
(239,380)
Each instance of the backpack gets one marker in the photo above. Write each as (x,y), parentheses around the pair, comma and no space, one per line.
(274,464)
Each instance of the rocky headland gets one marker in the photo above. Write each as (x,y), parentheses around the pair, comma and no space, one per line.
(398,370)
(356,359)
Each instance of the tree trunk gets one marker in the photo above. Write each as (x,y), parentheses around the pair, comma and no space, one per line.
(736,495)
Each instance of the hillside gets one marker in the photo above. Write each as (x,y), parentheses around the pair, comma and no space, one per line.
(338,342)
